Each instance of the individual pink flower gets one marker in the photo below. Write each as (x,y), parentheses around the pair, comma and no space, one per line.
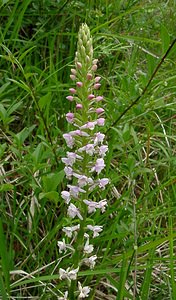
(91,205)
(88,248)
(71,158)
(63,274)
(96,229)
(75,190)
(65,297)
(70,117)
(83,180)
(62,246)
(73,212)
(89,125)
(102,205)
(68,172)
(90,262)
(89,149)
(72,275)
(67,274)
(102,150)
(70,230)
(99,166)
(103,182)
(98,138)
(66,196)
(100,121)
(83,291)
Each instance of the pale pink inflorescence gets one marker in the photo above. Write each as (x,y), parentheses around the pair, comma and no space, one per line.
(84,162)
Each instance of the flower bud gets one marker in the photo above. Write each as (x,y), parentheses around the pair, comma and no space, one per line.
(96,86)
(99,110)
(94,68)
(72,91)
(91,96)
(70,98)
(83,51)
(73,71)
(99,98)
(95,61)
(89,76)
(97,79)
(87,59)
(79,106)
(73,77)
(79,84)
(79,65)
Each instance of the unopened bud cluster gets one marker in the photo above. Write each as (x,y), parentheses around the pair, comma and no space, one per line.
(83,164)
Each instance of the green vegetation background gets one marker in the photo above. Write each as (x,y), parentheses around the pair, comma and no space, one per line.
(37,45)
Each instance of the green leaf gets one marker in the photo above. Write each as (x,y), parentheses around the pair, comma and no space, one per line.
(25,53)
(45,100)
(14,107)
(6,187)
(145,287)
(51,181)
(3,87)
(4,258)
(165,38)
(37,154)
(3,112)
(23,134)
(123,275)
(2,288)
(2,149)
(22,85)
(52,196)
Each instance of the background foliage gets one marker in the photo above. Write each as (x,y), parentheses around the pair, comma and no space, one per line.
(37,46)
